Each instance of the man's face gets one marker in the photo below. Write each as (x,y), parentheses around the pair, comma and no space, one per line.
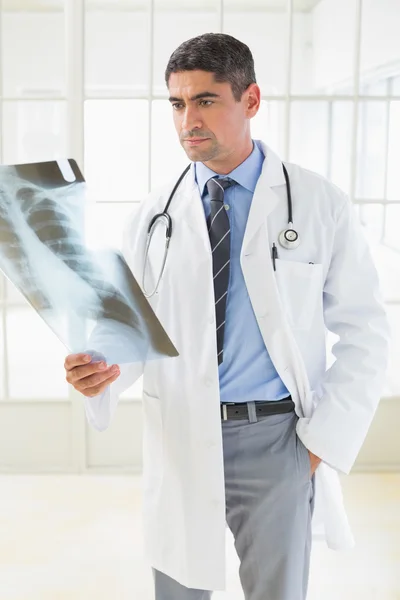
(206,111)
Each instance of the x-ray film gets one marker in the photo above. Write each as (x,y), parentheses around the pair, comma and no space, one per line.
(87,296)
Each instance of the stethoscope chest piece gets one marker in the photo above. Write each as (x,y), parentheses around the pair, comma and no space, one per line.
(289,238)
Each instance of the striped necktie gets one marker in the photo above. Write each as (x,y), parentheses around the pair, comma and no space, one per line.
(219,231)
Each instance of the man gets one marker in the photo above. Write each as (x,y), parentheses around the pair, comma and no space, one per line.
(250,331)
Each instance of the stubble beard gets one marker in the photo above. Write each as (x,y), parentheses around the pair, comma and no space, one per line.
(199,154)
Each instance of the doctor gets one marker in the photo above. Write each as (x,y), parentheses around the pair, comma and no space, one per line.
(246,426)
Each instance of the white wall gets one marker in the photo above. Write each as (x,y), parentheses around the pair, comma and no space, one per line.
(334,38)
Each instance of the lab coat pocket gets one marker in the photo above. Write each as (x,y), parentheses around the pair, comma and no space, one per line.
(300,288)
(152,444)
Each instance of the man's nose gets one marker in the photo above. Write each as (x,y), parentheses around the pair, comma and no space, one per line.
(191,119)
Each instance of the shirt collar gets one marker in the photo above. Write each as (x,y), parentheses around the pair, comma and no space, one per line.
(246,174)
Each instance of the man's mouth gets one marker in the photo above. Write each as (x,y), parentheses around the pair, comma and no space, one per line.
(196,141)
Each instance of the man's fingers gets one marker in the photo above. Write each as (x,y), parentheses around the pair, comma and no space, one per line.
(83,371)
(96,379)
(75,360)
(98,389)
(89,378)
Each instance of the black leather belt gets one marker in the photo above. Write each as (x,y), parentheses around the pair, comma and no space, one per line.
(232,410)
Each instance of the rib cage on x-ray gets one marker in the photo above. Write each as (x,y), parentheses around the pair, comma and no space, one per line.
(48,218)
(44,252)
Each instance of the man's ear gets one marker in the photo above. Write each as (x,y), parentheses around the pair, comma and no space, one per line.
(253,101)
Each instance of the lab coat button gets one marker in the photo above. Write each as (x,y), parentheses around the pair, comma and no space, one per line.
(208,381)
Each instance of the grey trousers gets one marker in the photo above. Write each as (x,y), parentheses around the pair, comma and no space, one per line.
(269,507)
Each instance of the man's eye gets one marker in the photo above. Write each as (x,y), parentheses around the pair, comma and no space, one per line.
(176,105)
(209,101)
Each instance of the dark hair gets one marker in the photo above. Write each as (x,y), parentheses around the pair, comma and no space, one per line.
(228,58)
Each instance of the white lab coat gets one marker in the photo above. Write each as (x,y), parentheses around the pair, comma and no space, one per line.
(183,476)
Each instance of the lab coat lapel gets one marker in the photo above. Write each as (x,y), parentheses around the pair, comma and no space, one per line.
(189,209)
(263,203)
(256,247)
(264,199)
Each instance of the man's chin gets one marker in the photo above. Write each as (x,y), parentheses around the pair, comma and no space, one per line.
(196,154)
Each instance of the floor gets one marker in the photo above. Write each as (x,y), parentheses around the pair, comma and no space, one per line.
(67,537)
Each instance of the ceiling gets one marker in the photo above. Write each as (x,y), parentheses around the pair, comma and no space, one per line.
(247,5)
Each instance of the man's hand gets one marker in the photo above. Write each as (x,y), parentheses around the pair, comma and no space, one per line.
(89,378)
(314,460)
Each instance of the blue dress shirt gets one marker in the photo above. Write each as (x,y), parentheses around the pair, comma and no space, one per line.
(247,372)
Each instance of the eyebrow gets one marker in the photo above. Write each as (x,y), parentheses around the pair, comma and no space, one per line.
(196,97)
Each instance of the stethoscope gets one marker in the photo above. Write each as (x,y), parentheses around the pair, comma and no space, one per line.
(288,238)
